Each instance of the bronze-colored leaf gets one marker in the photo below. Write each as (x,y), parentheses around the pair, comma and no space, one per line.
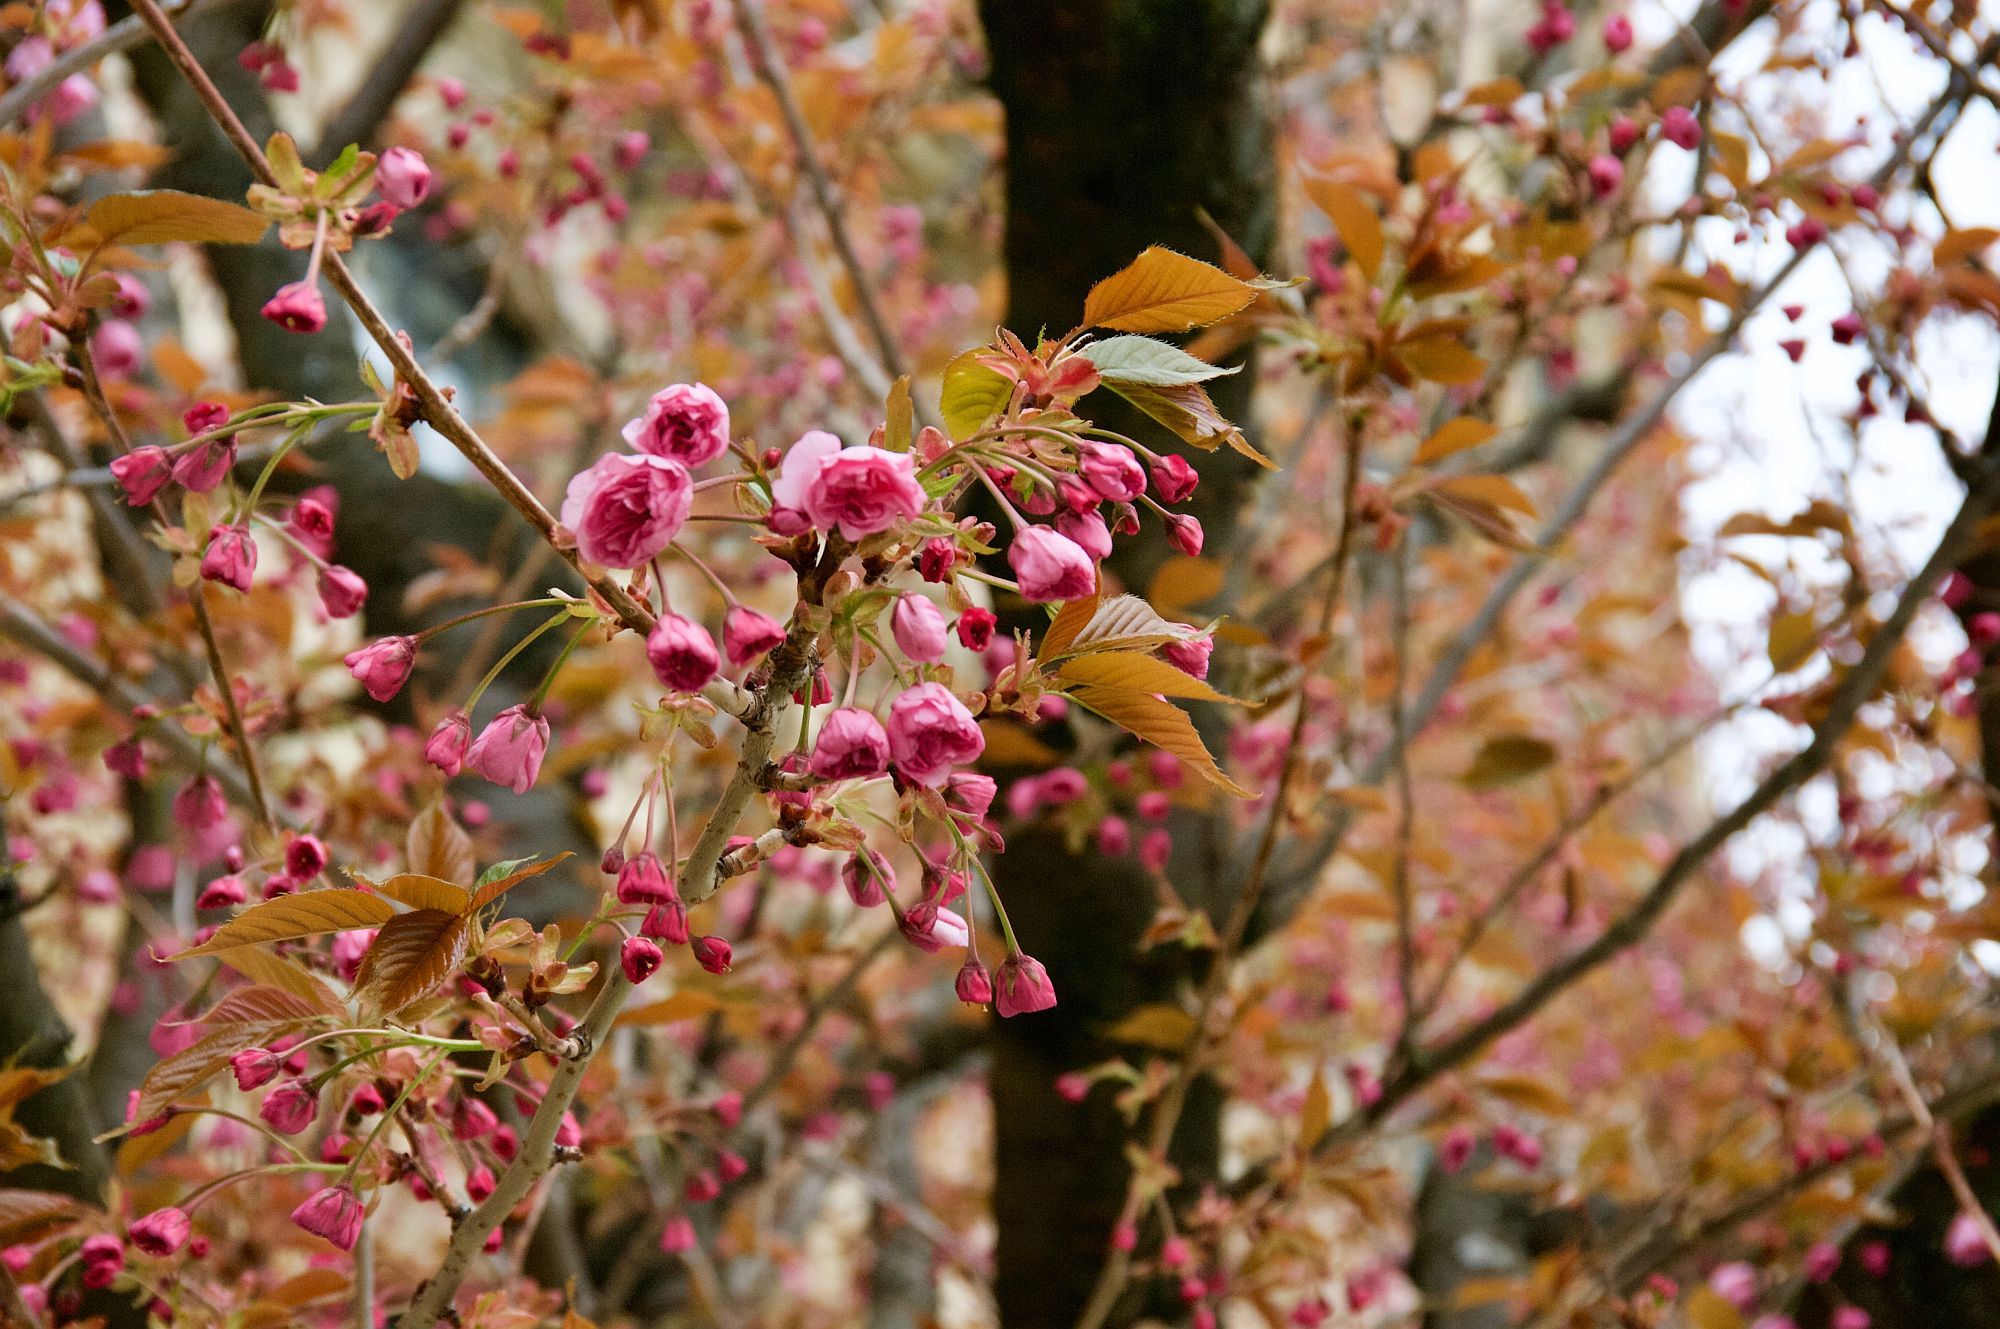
(34,1215)
(307,914)
(412,954)
(437,846)
(1163,725)
(1453,437)
(422,892)
(154,216)
(1506,759)
(194,1066)
(1162,291)
(1354,217)
(1138,673)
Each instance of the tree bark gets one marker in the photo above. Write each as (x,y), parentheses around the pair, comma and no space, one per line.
(1125,118)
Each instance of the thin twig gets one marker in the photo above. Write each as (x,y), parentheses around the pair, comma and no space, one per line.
(770,66)
(1116,1271)
(121,36)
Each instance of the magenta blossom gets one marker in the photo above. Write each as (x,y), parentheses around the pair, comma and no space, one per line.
(932,928)
(161,1233)
(1022,986)
(1191,656)
(202,466)
(851,745)
(341,591)
(403,177)
(919,628)
(747,634)
(142,473)
(297,307)
(231,556)
(685,421)
(382,667)
(974,985)
(625,509)
(446,747)
(643,880)
(509,750)
(290,1107)
(931,733)
(682,653)
(1050,566)
(639,957)
(868,878)
(334,1213)
(858,491)
(713,954)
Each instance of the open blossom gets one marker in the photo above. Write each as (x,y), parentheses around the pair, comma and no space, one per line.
(931,733)
(682,653)
(1022,986)
(851,745)
(1050,566)
(510,749)
(685,421)
(625,509)
(446,747)
(747,634)
(403,177)
(334,1213)
(231,556)
(859,491)
(382,667)
(297,307)
(919,629)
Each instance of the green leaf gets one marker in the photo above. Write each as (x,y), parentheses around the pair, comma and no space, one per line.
(1148,362)
(497,880)
(156,216)
(972,394)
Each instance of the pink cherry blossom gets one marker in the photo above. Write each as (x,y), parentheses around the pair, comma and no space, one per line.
(685,421)
(403,177)
(851,745)
(509,750)
(919,628)
(931,733)
(625,509)
(1022,986)
(382,667)
(1050,566)
(747,634)
(682,653)
(334,1213)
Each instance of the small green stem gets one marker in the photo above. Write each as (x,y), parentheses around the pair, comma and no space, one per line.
(548,679)
(508,658)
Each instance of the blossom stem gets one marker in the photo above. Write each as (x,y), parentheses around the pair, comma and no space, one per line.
(389,1115)
(249,504)
(548,679)
(508,658)
(435,628)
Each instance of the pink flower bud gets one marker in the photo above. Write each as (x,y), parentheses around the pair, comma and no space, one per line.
(713,954)
(341,591)
(130,298)
(1964,1246)
(1174,479)
(851,745)
(747,634)
(334,1213)
(446,747)
(868,877)
(974,985)
(919,629)
(1050,566)
(1184,533)
(677,1236)
(403,177)
(1607,173)
(1023,986)
(685,421)
(639,957)
(935,560)
(1735,1282)
(682,653)
(1679,127)
(1850,1317)
(1455,1150)
(479,1184)
(254,1068)
(161,1233)
(203,466)
(297,307)
(1955,589)
(471,1119)
(142,473)
(201,803)
(1623,134)
(1191,657)
(117,349)
(509,750)
(290,1107)
(1822,1261)
(1617,33)
(1112,471)
(630,148)
(1156,848)
(666,921)
(231,556)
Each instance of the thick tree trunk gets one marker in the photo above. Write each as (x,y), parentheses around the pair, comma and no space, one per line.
(1124,118)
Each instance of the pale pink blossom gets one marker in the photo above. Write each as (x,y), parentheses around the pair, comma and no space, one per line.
(625,509)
